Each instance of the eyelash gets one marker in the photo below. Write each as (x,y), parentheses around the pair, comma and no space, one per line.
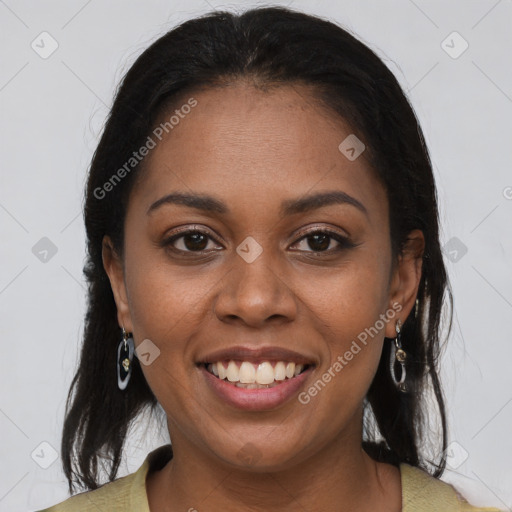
(343,241)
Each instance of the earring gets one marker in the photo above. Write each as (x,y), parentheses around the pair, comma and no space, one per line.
(398,354)
(124,360)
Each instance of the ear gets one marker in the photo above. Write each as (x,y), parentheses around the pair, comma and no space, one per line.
(113,266)
(406,279)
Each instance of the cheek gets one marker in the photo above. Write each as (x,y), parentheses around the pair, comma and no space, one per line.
(165,305)
(350,298)
(163,298)
(166,309)
(346,309)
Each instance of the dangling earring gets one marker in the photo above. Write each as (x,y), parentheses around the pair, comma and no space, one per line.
(124,360)
(398,354)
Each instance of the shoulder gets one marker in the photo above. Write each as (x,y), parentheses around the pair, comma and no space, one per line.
(422,492)
(111,496)
(127,493)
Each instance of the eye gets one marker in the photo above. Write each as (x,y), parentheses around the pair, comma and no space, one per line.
(320,241)
(196,241)
(190,240)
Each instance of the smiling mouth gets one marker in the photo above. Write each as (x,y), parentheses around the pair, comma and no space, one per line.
(244,374)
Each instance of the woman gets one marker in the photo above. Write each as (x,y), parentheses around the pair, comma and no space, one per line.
(264,264)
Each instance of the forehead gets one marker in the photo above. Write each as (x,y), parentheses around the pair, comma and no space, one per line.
(252,146)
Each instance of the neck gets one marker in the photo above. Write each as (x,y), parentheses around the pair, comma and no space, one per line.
(341,476)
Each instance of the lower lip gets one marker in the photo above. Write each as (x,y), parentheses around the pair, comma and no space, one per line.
(255,399)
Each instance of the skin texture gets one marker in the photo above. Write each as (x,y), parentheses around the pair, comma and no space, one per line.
(252,150)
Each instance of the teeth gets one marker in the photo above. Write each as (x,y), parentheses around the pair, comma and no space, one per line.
(252,376)
(232,372)
(280,371)
(221,370)
(265,373)
(247,374)
(290,370)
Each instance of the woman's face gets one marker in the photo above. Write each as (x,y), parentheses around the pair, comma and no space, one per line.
(250,279)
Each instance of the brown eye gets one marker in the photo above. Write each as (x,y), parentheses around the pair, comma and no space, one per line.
(195,241)
(191,240)
(321,240)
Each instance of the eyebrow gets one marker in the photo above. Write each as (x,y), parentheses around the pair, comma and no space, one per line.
(209,204)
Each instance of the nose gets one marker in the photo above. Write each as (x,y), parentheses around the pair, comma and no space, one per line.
(255,294)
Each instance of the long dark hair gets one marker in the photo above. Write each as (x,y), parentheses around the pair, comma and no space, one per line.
(269,46)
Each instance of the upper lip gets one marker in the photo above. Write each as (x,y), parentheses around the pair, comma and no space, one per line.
(256,355)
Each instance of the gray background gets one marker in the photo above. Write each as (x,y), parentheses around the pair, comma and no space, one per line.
(52,113)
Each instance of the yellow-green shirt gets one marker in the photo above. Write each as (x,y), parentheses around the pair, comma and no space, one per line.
(420,492)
